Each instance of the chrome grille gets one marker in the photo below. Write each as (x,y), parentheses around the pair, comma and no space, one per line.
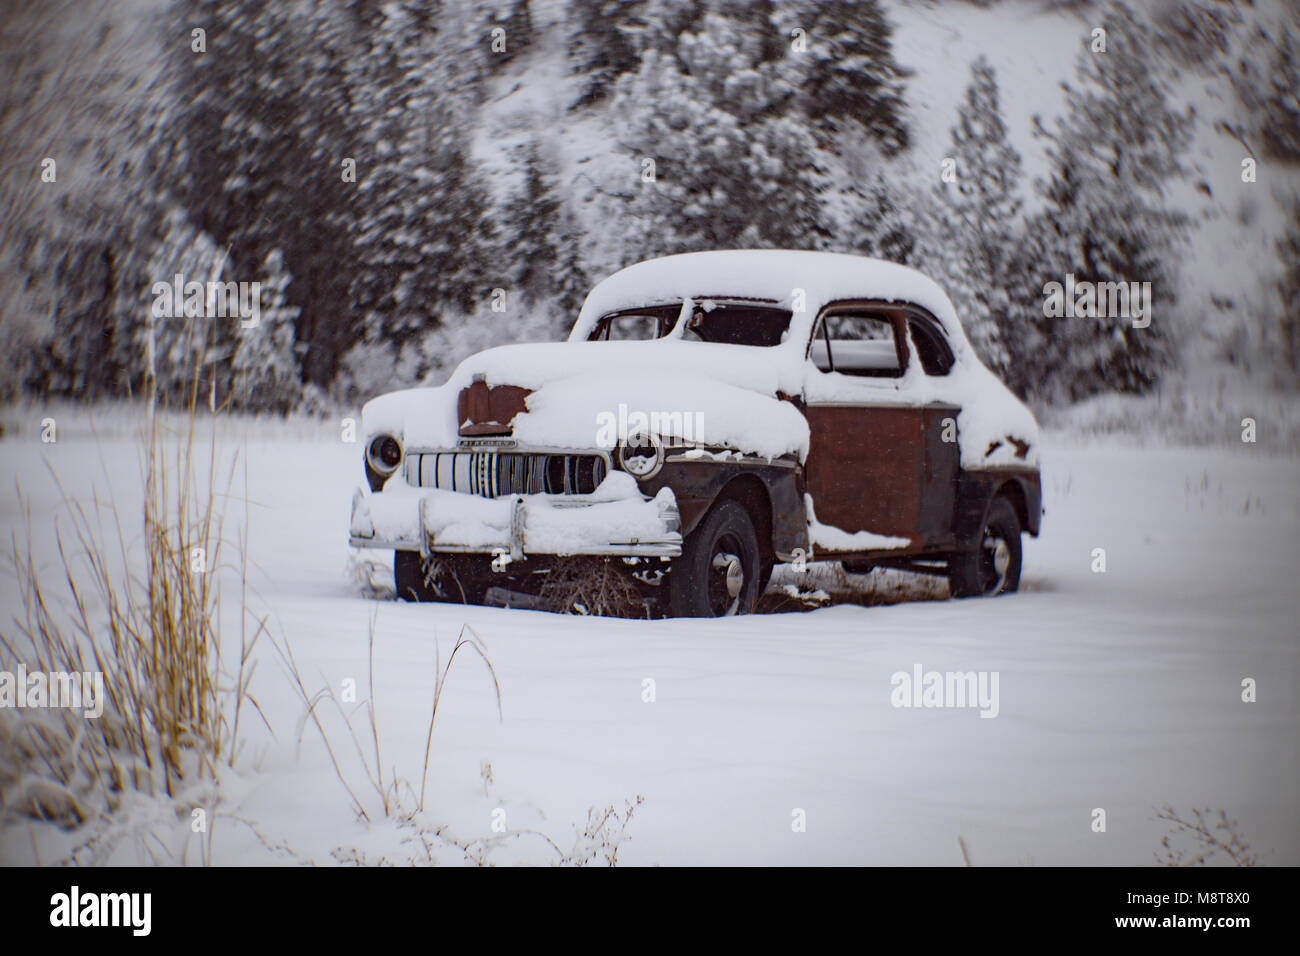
(492,474)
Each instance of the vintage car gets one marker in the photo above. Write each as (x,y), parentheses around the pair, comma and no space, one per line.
(711,415)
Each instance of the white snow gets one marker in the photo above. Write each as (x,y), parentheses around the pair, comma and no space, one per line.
(616,513)
(776,274)
(830,538)
(1119,690)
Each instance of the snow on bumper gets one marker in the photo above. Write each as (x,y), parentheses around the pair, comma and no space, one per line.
(616,519)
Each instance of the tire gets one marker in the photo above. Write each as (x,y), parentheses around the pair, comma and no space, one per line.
(994,566)
(455,579)
(719,570)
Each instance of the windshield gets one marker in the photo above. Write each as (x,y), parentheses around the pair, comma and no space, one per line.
(729,323)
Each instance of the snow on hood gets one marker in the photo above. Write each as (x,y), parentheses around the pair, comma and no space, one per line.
(722,394)
(758,369)
(570,413)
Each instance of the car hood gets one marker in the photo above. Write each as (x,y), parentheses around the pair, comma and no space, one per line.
(590,394)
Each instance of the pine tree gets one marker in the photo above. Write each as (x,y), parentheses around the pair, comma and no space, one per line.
(603,45)
(730,170)
(571,282)
(265,371)
(265,114)
(852,76)
(658,24)
(1280,128)
(1104,218)
(752,21)
(529,222)
(884,221)
(190,352)
(517,22)
(1288,288)
(74,249)
(421,240)
(981,212)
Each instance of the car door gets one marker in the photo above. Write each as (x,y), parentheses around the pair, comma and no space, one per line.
(933,360)
(883,454)
(866,454)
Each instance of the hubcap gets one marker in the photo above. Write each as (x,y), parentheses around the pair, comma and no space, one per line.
(729,564)
(726,582)
(997,559)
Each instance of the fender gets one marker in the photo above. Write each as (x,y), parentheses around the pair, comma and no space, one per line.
(975,493)
(697,483)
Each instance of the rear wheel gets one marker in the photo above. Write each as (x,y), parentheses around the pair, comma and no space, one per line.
(994,566)
(719,570)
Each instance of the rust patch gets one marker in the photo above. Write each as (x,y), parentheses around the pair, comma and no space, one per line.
(866,467)
(483,409)
(1022,447)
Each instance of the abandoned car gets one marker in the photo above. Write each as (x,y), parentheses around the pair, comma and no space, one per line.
(710,415)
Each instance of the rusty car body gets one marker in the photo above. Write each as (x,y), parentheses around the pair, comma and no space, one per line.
(786,407)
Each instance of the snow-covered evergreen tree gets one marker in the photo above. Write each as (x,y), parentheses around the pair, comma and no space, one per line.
(186,351)
(422,239)
(729,170)
(261,130)
(603,44)
(571,282)
(1113,153)
(850,74)
(1280,128)
(529,222)
(981,213)
(1288,248)
(883,222)
(515,20)
(265,369)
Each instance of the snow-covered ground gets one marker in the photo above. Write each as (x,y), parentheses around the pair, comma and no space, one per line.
(1118,690)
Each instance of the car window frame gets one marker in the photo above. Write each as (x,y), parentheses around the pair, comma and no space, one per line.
(671,323)
(914,315)
(893,312)
(667,323)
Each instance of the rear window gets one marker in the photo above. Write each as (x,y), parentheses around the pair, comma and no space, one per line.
(737,323)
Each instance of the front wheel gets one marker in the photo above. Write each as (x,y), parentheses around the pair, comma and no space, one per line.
(718,572)
(994,566)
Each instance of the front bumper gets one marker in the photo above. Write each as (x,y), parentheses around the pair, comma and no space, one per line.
(614,520)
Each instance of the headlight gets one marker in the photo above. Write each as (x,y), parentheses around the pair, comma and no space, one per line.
(384,454)
(641,456)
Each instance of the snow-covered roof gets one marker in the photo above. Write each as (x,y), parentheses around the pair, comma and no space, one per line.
(774,274)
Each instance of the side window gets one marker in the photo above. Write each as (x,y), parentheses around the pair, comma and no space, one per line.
(932,351)
(858,343)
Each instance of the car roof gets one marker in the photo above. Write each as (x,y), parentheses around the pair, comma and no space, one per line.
(776,275)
